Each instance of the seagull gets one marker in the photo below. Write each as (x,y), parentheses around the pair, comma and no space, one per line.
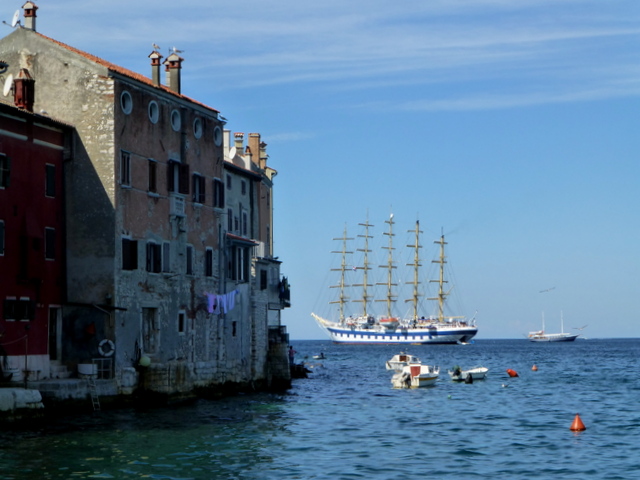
(175,50)
(547,290)
(155,47)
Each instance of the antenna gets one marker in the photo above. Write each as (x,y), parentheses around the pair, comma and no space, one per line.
(16,19)
(232,152)
(8,85)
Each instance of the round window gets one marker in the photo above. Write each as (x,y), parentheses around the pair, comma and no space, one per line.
(154,111)
(197,127)
(126,102)
(217,136)
(176,121)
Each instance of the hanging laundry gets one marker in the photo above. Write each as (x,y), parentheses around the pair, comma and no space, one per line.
(223,303)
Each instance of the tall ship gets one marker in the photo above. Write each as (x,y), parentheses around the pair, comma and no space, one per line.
(368,328)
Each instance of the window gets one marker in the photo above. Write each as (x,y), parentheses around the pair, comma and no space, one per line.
(245,223)
(178,177)
(166,257)
(126,102)
(154,257)
(218,193)
(189,255)
(182,322)
(129,254)
(234,328)
(5,169)
(50,181)
(23,309)
(176,120)
(263,279)
(154,111)
(244,187)
(229,220)
(208,263)
(153,176)
(217,136)
(125,168)
(50,243)
(198,188)
(238,264)
(197,128)
(1,238)
(228,182)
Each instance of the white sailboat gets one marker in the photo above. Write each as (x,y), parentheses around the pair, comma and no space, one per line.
(366,328)
(542,336)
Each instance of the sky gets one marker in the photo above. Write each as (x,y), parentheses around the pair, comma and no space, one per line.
(509,126)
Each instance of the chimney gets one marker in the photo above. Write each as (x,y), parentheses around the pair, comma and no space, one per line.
(239,136)
(24,90)
(156,58)
(173,66)
(263,155)
(254,145)
(30,15)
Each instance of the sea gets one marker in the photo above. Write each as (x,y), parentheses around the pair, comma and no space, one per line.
(346,422)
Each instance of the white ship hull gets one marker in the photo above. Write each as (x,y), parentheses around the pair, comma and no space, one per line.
(437,334)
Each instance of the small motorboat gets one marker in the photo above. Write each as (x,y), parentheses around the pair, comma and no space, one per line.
(476,373)
(319,357)
(416,375)
(401,360)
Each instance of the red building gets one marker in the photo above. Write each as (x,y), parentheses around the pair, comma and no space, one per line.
(33,149)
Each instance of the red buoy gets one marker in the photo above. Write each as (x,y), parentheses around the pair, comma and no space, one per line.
(577,425)
(512,373)
(534,368)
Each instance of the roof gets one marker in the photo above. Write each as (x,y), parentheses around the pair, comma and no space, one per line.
(43,118)
(123,71)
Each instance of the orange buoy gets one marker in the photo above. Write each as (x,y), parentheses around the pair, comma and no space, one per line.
(512,373)
(577,425)
(534,368)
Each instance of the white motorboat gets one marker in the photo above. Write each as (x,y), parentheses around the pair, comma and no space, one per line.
(475,373)
(401,360)
(416,375)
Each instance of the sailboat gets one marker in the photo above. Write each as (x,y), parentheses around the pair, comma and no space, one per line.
(366,328)
(542,336)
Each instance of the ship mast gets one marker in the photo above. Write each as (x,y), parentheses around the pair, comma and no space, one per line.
(365,268)
(389,266)
(342,299)
(442,295)
(416,270)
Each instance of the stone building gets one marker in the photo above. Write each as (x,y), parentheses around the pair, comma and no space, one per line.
(163,291)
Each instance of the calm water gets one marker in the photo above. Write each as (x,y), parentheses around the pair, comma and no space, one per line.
(346,422)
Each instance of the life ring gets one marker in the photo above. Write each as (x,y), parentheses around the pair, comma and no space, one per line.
(108,351)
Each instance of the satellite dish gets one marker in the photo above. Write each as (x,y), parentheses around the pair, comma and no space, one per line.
(8,84)
(232,152)
(16,18)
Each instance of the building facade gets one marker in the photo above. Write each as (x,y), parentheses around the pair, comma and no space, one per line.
(33,150)
(159,289)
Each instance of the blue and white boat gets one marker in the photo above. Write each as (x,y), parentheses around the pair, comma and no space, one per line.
(366,328)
